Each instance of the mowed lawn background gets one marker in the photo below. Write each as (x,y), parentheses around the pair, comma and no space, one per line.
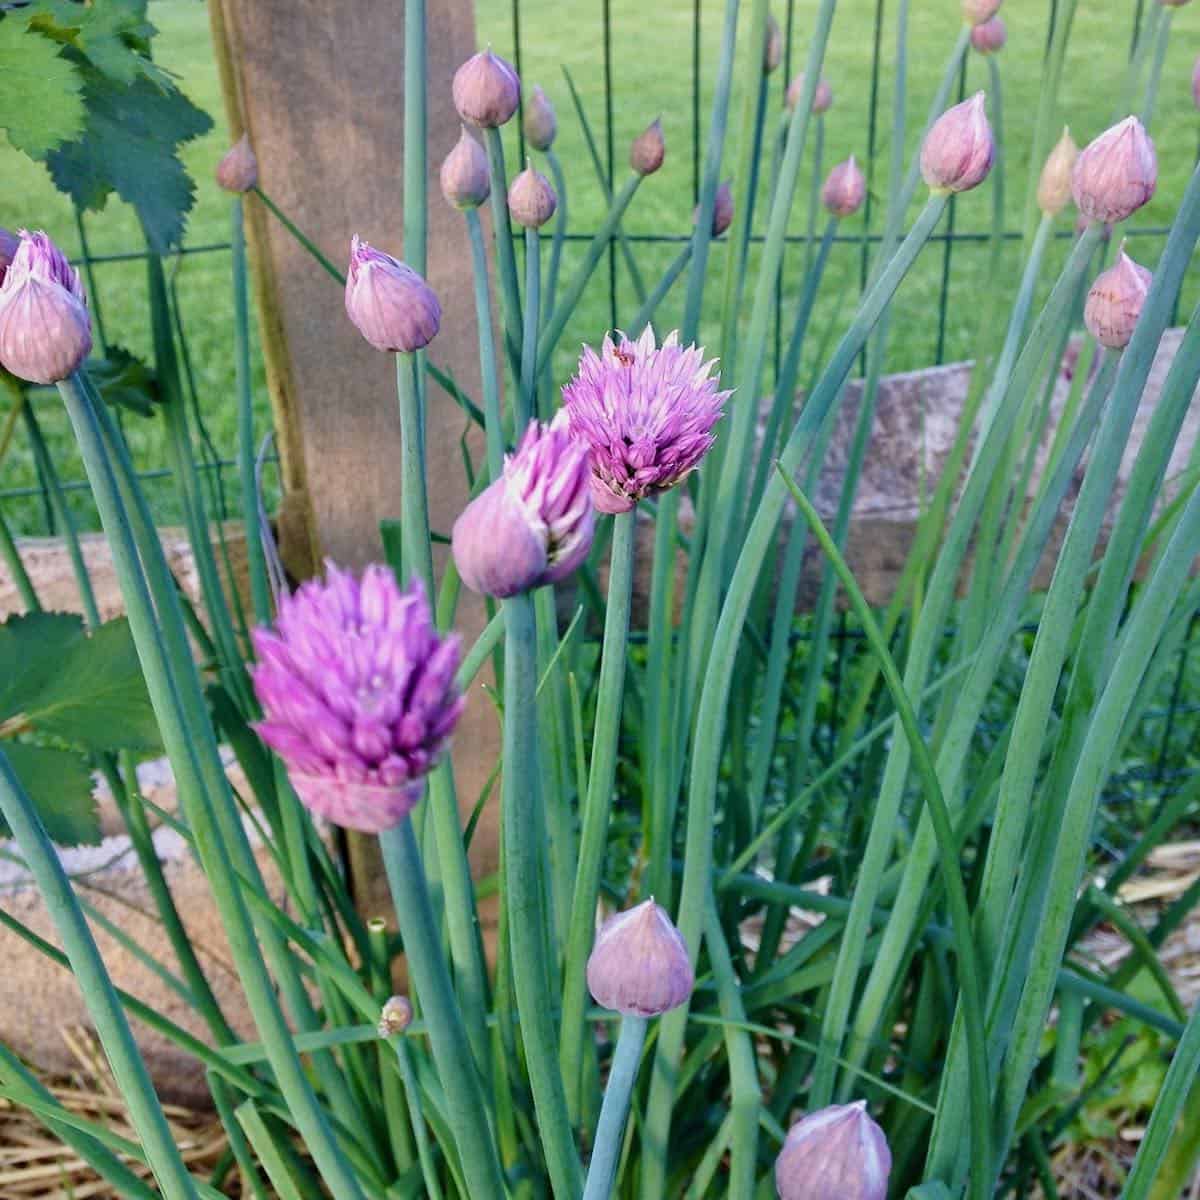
(651,63)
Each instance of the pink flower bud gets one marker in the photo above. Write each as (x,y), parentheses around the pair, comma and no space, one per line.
(1115,174)
(773,46)
(648,149)
(486,90)
(8,249)
(540,123)
(1054,186)
(835,1153)
(531,199)
(395,1017)
(1115,302)
(822,97)
(465,178)
(958,149)
(393,307)
(45,331)
(722,216)
(845,189)
(975,12)
(639,965)
(238,170)
(989,36)
(532,526)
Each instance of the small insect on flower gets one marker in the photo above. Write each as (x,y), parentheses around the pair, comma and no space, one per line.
(238,170)
(1115,302)
(533,525)
(1116,173)
(835,1153)
(639,965)
(358,695)
(645,413)
(393,307)
(45,330)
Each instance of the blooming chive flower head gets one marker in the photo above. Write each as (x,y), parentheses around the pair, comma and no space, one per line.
(958,149)
(722,216)
(486,90)
(639,965)
(358,696)
(45,331)
(1054,185)
(393,307)
(845,189)
(1115,301)
(772,46)
(835,1153)
(531,199)
(238,170)
(976,12)
(990,36)
(464,175)
(1115,174)
(540,123)
(822,97)
(648,150)
(645,413)
(533,525)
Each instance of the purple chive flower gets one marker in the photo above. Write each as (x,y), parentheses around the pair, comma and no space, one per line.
(533,525)
(45,330)
(835,1153)
(238,170)
(639,965)
(358,696)
(645,413)
(393,307)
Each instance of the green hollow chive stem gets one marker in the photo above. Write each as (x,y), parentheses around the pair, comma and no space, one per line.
(128,1069)
(260,592)
(560,228)
(304,241)
(465,1108)
(597,807)
(525,899)
(506,259)
(527,395)
(610,1130)
(412,1096)
(487,346)
(416,139)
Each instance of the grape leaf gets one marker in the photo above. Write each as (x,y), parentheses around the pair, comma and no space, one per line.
(130,146)
(41,102)
(84,689)
(59,783)
(122,378)
(113,35)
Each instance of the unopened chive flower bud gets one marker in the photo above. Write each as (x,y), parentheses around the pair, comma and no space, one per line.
(989,36)
(486,90)
(395,1017)
(393,307)
(540,123)
(645,413)
(534,525)
(1115,301)
(722,216)
(238,170)
(835,1153)
(465,178)
(822,97)
(648,149)
(1054,185)
(45,330)
(845,189)
(958,149)
(639,965)
(975,12)
(531,199)
(358,695)
(772,46)
(8,249)
(1115,174)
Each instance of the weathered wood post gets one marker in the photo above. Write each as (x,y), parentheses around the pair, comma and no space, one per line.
(319,89)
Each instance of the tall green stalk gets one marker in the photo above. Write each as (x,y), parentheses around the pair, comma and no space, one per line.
(606,1149)
(506,259)
(597,807)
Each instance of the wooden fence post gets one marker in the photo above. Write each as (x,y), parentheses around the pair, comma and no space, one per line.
(319,89)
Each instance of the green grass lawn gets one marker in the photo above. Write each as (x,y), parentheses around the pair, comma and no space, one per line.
(651,68)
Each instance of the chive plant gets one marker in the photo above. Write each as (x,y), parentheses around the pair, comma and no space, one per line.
(692,793)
